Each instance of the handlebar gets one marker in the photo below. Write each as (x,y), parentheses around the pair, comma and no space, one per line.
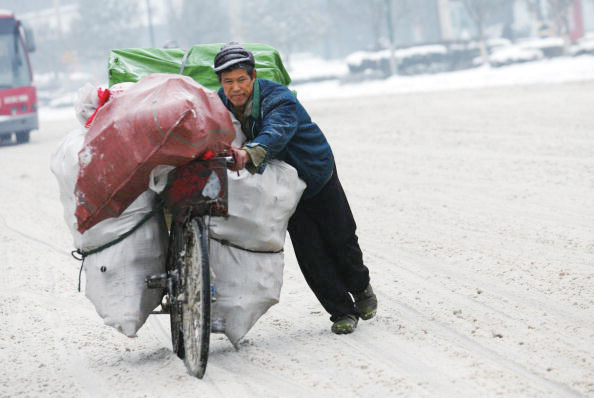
(229,160)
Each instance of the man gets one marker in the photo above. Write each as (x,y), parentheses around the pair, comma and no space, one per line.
(322,229)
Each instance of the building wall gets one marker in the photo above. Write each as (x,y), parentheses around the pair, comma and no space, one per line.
(588,15)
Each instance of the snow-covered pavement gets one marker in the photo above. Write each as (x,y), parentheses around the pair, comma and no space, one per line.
(553,70)
(474,209)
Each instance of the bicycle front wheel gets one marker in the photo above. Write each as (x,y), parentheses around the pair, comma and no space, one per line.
(175,271)
(196,303)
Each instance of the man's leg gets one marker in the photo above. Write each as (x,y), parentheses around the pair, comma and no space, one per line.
(317,265)
(331,210)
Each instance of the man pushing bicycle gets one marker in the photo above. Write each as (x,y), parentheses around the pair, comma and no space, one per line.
(322,229)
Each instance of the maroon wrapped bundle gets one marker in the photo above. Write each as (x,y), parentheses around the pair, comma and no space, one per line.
(164,119)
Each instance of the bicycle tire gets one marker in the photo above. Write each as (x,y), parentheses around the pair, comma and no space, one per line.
(195,307)
(174,270)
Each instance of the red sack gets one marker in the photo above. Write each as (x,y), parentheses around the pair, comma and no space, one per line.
(164,119)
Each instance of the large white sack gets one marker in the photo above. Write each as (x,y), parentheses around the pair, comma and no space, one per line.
(115,277)
(247,284)
(260,206)
(119,293)
(64,165)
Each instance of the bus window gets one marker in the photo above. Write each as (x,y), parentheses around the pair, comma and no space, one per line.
(14,68)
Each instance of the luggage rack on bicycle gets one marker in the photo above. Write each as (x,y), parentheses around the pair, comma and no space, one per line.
(193,192)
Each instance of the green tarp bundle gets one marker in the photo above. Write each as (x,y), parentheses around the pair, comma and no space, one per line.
(131,65)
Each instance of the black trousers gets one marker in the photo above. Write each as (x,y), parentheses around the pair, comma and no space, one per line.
(322,231)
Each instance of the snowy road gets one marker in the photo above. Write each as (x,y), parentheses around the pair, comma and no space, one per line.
(475,213)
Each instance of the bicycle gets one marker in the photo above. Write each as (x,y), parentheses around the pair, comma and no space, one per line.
(194,192)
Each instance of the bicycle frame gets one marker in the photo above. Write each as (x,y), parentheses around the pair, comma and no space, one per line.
(193,191)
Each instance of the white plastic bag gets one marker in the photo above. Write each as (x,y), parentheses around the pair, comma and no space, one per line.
(86,102)
(114,276)
(247,285)
(260,206)
(87,99)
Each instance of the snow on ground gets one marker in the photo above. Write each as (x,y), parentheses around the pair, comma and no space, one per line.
(554,70)
(475,215)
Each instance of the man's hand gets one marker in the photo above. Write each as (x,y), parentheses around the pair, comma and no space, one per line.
(241,158)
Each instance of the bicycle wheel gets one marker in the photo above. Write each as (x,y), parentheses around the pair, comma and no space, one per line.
(195,308)
(174,270)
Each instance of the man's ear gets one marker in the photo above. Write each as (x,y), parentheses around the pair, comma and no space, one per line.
(254,73)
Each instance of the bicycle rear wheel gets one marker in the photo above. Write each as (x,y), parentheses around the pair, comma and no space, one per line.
(195,306)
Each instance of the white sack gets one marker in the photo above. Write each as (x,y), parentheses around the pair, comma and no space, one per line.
(159,177)
(260,206)
(115,277)
(249,283)
(246,283)
(87,99)
(86,102)
(240,137)
(119,293)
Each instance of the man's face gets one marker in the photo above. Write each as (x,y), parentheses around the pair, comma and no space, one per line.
(238,86)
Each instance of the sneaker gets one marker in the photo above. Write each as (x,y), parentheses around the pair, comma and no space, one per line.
(345,324)
(366,303)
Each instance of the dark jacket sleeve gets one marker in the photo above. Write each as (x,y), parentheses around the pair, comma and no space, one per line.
(279,120)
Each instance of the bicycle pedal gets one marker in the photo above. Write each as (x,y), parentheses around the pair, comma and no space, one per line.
(158,281)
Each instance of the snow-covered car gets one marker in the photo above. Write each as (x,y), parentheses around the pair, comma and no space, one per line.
(514,54)
(549,46)
(583,46)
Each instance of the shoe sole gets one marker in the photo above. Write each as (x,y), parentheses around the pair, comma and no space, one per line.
(343,331)
(369,315)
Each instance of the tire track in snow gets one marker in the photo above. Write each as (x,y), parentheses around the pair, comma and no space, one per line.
(423,269)
(225,363)
(89,381)
(263,380)
(429,374)
(30,237)
(458,339)
(39,300)
(420,321)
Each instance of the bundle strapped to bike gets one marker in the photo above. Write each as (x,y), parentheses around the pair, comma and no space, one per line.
(80,255)
(198,188)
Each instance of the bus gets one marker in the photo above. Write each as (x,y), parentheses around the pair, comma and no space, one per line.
(18,97)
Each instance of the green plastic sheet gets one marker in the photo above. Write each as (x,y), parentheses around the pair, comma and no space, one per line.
(131,65)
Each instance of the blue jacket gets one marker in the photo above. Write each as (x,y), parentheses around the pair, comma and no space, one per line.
(282,126)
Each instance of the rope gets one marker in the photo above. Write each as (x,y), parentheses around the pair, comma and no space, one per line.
(80,255)
(227,243)
(74,254)
(182,66)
